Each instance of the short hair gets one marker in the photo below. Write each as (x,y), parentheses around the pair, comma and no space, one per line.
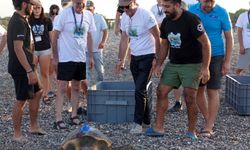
(173,1)
(18,3)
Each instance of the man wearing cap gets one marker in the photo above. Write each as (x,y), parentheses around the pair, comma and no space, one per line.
(100,37)
(21,68)
(71,39)
(140,26)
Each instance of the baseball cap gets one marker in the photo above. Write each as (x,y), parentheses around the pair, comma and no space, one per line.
(90,4)
(124,2)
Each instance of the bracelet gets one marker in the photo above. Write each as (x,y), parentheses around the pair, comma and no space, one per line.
(29,71)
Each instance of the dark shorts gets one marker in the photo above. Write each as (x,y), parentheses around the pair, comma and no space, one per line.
(215,73)
(68,71)
(24,91)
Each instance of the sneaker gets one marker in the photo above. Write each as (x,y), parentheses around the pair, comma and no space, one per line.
(177,107)
(51,94)
(145,126)
(136,129)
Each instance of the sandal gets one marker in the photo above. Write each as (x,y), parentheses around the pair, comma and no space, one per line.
(205,133)
(151,132)
(60,125)
(46,100)
(75,121)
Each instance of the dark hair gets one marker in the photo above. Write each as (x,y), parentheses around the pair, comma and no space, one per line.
(42,17)
(173,1)
(52,7)
(18,3)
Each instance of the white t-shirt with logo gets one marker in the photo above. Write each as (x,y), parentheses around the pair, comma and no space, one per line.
(244,23)
(137,28)
(72,41)
(158,13)
(101,25)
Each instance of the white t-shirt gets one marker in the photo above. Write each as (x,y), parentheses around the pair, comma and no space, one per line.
(158,13)
(72,41)
(101,25)
(137,28)
(244,22)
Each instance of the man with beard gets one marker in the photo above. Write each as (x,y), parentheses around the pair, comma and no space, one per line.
(184,38)
(21,68)
(72,37)
(216,21)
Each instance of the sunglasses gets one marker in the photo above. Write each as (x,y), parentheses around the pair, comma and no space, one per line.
(125,7)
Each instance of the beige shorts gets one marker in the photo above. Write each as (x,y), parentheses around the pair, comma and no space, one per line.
(43,52)
(244,60)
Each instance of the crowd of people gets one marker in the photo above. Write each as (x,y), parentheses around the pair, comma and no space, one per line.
(70,44)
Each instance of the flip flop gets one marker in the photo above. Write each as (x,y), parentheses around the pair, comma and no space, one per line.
(153,133)
(46,100)
(21,139)
(38,132)
(192,136)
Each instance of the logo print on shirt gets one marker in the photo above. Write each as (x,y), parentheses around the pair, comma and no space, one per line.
(38,29)
(132,32)
(200,27)
(174,40)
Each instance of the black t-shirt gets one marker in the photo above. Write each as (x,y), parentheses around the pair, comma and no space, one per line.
(18,29)
(182,36)
(40,30)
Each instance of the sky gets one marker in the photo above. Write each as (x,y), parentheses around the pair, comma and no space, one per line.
(108,7)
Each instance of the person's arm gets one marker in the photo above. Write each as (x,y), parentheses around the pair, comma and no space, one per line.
(3,42)
(90,50)
(18,48)
(104,39)
(240,40)
(55,37)
(122,51)
(156,34)
(117,22)
(162,54)
(206,57)
(229,47)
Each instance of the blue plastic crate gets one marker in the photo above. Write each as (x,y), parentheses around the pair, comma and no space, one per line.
(113,101)
(238,93)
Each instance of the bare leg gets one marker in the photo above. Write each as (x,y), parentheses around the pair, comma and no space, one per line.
(202,102)
(33,111)
(44,62)
(17,118)
(75,88)
(84,87)
(213,108)
(177,94)
(190,99)
(61,91)
(162,106)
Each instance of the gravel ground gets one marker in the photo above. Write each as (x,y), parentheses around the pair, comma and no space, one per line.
(232,130)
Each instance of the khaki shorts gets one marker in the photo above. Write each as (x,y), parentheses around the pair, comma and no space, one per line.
(244,60)
(186,75)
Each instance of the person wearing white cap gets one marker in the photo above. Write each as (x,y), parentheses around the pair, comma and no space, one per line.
(140,26)
(21,68)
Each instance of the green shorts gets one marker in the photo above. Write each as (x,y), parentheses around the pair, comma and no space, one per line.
(186,75)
